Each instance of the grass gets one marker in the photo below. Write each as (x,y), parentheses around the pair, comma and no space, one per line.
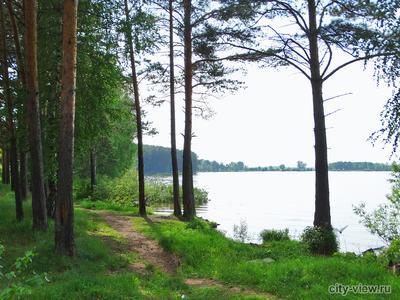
(294,274)
(100,268)
(108,205)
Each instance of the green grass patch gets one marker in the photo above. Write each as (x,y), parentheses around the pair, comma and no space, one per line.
(294,273)
(100,268)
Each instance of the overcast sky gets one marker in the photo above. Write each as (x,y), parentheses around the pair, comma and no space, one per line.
(271,122)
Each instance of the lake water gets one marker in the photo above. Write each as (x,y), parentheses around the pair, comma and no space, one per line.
(266,200)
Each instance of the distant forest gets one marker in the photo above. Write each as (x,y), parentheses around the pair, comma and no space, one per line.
(157,160)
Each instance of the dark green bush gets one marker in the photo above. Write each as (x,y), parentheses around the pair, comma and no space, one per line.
(197,223)
(392,254)
(320,240)
(82,189)
(269,235)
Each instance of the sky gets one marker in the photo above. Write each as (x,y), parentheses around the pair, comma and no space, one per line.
(271,121)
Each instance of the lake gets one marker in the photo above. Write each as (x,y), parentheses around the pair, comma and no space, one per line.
(266,200)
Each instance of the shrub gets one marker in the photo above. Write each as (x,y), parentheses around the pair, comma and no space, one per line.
(197,223)
(103,189)
(384,220)
(123,191)
(82,189)
(158,192)
(268,235)
(320,240)
(392,254)
(240,232)
(18,280)
(200,196)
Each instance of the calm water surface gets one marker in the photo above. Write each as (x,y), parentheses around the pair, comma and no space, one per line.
(286,200)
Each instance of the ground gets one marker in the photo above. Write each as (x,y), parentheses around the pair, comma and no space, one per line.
(150,252)
(122,256)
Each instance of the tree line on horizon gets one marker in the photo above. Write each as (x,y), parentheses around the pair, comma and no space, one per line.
(188,50)
(157,161)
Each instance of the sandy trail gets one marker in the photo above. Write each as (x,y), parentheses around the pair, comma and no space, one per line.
(151,252)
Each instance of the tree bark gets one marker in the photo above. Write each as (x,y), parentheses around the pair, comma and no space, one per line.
(21,77)
(51,197)
(129,40)
(64,216)
(3,154)
(187,173)
(23,174)
(93,169)
(39,214)
(322,216)
(18,52)
(10,120)
(6,167)
(174,160)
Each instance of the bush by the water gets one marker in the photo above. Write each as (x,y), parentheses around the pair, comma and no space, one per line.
(269,235)
(384,220)
(320,240)
(392,254)
(123,191)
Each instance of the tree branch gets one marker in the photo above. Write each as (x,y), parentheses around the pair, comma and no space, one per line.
(356,60)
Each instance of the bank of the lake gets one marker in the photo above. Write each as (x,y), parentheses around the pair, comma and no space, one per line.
(286,200)
(105,267)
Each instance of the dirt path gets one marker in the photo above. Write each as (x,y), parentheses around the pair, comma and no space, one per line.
(151,252)
(147,249)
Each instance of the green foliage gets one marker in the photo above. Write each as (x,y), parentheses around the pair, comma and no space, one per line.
(384,220)
(268,235)
(19,280)
(320,240)
(197,223)
(157,160)
(392,254)
(103,119)
(241,232)
(122,191)
(358,166)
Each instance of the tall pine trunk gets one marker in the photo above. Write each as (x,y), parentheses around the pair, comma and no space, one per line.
(187,172)
(93,169)
(39,213)
(3,153)
(64,216)
(10,120)
(7,174)
(15,31)
(22,79)
(322,216)
(23,174)
(174,160)
(6,167)
(129,40)
(51,196)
